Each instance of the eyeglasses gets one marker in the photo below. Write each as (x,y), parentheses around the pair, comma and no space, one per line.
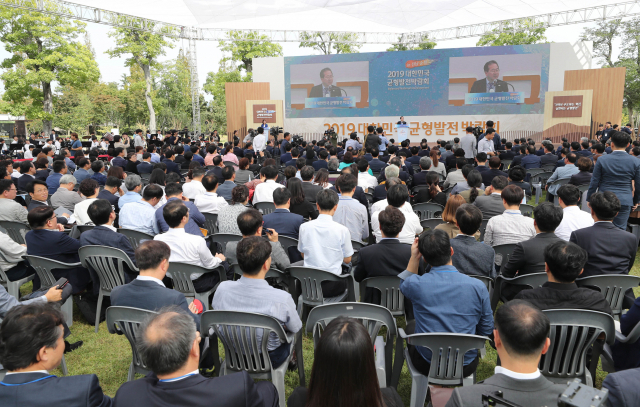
(494,70)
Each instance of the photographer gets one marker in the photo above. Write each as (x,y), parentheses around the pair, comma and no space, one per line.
(372,139)
(354,142)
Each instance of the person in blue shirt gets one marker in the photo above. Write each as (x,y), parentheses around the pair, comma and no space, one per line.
(436,299)
(98,172)
(76,147)
(53,180)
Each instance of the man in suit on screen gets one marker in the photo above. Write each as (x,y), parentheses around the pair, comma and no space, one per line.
(326,88)
(491,83)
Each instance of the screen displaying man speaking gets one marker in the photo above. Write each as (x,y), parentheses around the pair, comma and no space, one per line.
(326,89)
(491,83)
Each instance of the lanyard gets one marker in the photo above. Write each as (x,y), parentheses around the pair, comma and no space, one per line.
(174,379)
(21,384)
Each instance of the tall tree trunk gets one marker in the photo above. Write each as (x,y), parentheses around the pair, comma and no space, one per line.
(47,103)
(147,94)
(630,114)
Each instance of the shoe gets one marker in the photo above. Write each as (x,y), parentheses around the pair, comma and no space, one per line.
(70,347)
(293,363)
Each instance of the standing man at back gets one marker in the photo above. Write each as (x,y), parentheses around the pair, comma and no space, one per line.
(372,139)
(615,172)
(469,144)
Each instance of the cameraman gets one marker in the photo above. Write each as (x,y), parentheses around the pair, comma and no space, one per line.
(354,142)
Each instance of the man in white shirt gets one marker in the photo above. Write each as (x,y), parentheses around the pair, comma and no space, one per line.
(194,188)
(210,202)
(259,141)
(380,205)
(350,212)
(264,191)
(325,244)
(365,180)
(89,188)
(397,197)
(486,144)
(573,218)
(188,248)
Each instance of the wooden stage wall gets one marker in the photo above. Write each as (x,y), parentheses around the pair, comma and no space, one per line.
(237,94)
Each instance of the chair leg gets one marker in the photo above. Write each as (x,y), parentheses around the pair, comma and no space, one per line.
(419,388)
(98,309)
(13,289)
(67,310)
(63,366)
(277,378)
(300,357)
(132,374)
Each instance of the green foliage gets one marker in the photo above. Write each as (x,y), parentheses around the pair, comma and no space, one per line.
(173,95)
(602,36)
(521,32)
(216,110)
(402,44)
(245,47)
(325,42)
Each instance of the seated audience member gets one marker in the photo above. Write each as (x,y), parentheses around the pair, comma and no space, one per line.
(517,175)
(511,227)
(365,180)
(564,262)
(380,192)
(111,188)
(53,180)
(597,240)
(173,192)
(359,192)
(567,171)
(46,239)
(65,197)
(98,172)
(244,175)
(464,185)
(147,291)
(584,176)
(82,173)
(250,223)
(169,345)
(224,189)
(89,189)
(436,299)
(531,159)
(420,178)
(37,190)
(325,244)
(627,355)
(376,164)
(11,261)
(228,215)
(133,183)
(344,371)
(549,157)
(145,166)
(188,248)
(254,258)
(264,191)
(299,203)
(471,257)
(195,188)
(474,182)
(351,213)
(31,345)
(141,215)
(455,177)
(322,162)
(623,388)
(282,220)
(521,338)
(28,171)
(573,218)
(490,204)
(397,197)
(493,171)
(481,161)
(386,258)
(434,193)
(449,217)
(310,189)
(210,202)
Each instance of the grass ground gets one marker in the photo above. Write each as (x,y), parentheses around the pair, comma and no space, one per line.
(109,356)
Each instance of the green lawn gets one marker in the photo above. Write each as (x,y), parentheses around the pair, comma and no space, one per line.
(109,356)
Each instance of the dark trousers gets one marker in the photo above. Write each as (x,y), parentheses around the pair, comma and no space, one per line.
(279,354)
(622,217)
(208,280)
(20,270)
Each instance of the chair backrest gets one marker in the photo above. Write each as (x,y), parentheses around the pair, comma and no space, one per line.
(108,263)
(561,181)
(428,210)
(373,317)
(419,188)
(265,207)
(483,227)
(505,251)
(310,282)
(549,167)
(272,272)
(612,286)
(572,333)
(180,273)
(211,223)
(541,177)
(487,281)
(447,354)
(506,164)
(287,243)
(238,332)
(390,295)
(527,210)
(43,267)
(135,237)
(228,163)
(220,241)
(127,321)
(583,187)
(15,230)
(535,171)
(431,223)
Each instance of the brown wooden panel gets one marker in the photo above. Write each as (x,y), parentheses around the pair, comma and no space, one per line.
(237,94)
(608,91)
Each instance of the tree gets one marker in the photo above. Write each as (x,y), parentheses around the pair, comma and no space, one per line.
(145,49)
(244,47)
(325,42)
(214,85)
(602,36)
(173,95)
(520,32)
(44,48)
(403,45)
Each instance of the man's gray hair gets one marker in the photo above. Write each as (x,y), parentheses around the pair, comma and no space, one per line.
(425,163)
(392,171)
(584,139)
(132,181)
(68,179)
(333,164)
(165,340)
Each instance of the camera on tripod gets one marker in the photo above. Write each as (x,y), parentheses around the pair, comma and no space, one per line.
(477,131)
(274,131)
(296,140)
(331,136)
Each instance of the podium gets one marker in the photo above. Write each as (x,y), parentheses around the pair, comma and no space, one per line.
(403,132)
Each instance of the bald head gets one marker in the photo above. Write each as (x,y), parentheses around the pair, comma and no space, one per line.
(523,328)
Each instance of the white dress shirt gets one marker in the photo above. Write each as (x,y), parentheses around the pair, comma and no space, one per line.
(80,211)
(259,142)
(411,228)
(379,206)
(192,189)
(516,375)
(325,244)
(264,191)
(189,249)
(149,278)
(486,146)
(573,218)
(210,202)
(366,181)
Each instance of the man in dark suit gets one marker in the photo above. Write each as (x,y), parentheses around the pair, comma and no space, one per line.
(148,291)
(326,88)
(281,220)
(285,142)
(112,186)
(614,172)
(623,388)
(295,154)
(549,157)
(471,257)
(450,161)
(175,380)
(491,83)
(322,162)
(584,176)
(308,187)
(491,204)
(372,139)
(145,166)
(420,178)
(598,239)
(531,160)
(401,121)
(38,192)
(287,156)
(521,338)
(30,350)
(517,160)
(492,172)
(376,165)
(509,154)
(28,171)
(168,160)
(120,159)
(239,152)
(217,169)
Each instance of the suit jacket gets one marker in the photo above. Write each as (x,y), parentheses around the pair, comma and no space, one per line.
(528,256)
(172,167)
(217,171)
(291,163)
(145,167)
(614,172)
(23,181)
(285,157)
(310,191)
(597,241)
(471,257)
(377,165)
(490,174)
(113,200)
(283,222)
(530,161)
(581,178)
(389,257)
(548,158)
(149,295)
(372,140)
(450,161)
(316,92)
(536,392)
(103,236)
(68,391)
(480,86)
(489,205)
(420,178)
(509,155)
(623,388)
(319,164)
(34,204)
(235,390)
(225,188)
(42,174)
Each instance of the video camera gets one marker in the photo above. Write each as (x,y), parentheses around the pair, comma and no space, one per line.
(331,136)
(274,131)
(477,131)
(575,395)
(296,140)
